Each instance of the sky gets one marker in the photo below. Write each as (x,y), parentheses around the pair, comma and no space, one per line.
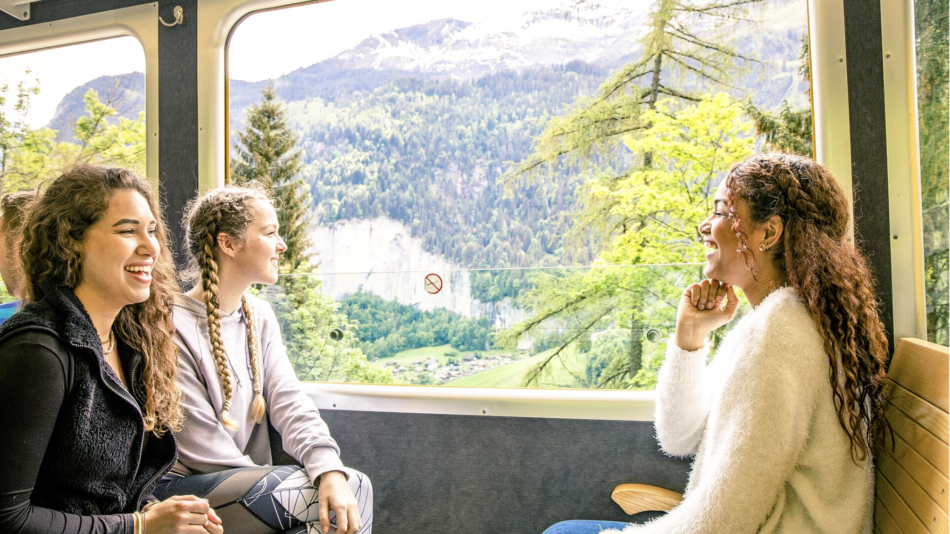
(259,45)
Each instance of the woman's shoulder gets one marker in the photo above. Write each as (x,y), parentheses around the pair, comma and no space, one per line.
(188,310)
(784,307)
(36,347)
(261,309)
(37,322)
(782,325)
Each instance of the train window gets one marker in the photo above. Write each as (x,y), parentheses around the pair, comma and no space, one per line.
(932,108)
(77,103)
(501,193)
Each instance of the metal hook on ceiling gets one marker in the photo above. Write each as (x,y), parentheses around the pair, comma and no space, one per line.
(179,13)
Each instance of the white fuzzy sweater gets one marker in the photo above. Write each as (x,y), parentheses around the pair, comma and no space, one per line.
(771,456)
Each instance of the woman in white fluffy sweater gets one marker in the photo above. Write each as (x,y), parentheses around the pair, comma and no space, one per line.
(783,420)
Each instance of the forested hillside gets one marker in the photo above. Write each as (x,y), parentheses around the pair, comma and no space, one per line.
(429,154)
(387,327)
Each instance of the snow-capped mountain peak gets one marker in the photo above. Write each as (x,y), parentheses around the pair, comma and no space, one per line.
(601,31)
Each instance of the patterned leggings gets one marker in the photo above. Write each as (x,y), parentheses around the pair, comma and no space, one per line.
(259,500)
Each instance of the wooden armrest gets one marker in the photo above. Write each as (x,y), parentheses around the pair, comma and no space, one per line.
(636,498)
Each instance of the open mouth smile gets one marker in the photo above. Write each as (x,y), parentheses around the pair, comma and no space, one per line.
(142,273)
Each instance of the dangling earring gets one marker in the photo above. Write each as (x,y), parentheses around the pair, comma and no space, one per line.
(763,247)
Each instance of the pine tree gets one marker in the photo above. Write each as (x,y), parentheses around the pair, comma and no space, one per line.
(684,45)
(266,153)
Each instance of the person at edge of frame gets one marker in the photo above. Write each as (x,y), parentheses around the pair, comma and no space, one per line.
(13,210)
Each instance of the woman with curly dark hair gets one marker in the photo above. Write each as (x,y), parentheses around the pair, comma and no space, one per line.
(88,367)
(783,421)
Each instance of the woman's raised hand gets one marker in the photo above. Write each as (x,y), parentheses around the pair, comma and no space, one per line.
(701,311)
(184,514)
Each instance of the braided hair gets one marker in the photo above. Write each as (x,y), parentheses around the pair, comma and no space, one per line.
(227,210)
(828,273)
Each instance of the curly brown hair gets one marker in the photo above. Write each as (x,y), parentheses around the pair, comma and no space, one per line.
(227,210)
(828,273)
(57,223)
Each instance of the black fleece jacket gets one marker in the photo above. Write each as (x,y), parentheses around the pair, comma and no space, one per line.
(75,457)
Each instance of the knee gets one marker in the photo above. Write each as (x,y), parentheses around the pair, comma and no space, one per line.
(360,483)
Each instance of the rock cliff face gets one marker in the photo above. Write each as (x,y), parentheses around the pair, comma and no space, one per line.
(379,256)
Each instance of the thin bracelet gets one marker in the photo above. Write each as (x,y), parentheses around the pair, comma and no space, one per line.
(148,506)
(136,520)
(142,521)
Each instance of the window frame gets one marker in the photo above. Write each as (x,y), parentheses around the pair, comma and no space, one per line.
(615,405)
(139,22)
(217,19)
(899,45)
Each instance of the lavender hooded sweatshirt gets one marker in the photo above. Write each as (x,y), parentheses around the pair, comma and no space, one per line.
(205,445)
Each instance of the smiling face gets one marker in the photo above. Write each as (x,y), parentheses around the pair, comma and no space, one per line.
(724,262)
(119,252)
(256,259)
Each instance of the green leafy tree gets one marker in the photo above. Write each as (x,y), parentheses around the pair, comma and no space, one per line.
(662,205)
(307,317)
(28,156)
(13,127)
(388,327)
(267,152)
(684,47)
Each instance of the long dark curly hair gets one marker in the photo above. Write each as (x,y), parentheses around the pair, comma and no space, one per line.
(829,275)
(57,223)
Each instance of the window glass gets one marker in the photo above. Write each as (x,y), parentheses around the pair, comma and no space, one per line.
(79,103)
(932,111)
(502,193)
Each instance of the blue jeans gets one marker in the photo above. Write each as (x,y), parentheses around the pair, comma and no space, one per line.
(583,527)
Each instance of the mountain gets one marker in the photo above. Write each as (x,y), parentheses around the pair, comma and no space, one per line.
(125,92)
(417,124)
(605,32)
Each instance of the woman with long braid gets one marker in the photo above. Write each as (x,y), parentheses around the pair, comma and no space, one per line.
(784,420)
(236,379)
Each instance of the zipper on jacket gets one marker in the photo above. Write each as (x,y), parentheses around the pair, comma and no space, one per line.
(161,472)
(127,397)
(138,465)
(138,458)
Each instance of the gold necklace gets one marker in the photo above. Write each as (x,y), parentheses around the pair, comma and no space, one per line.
(111,340)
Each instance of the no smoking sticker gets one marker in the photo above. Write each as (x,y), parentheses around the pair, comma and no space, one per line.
(433,283)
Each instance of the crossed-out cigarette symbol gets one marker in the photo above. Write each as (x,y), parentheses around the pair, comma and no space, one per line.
(433,283)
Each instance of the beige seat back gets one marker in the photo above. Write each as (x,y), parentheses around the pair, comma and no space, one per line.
(912,493)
